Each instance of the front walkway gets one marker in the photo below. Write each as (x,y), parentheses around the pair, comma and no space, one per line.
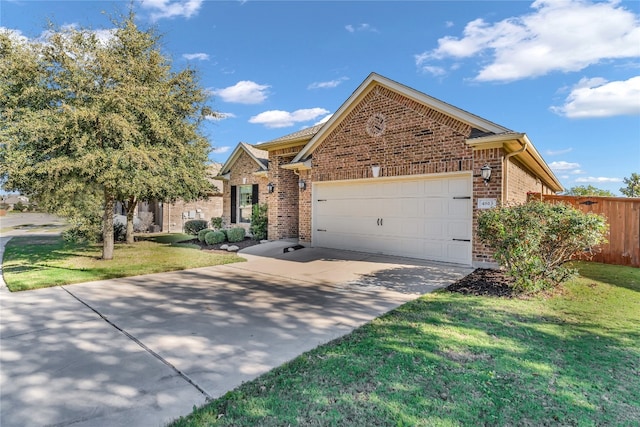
(144,350)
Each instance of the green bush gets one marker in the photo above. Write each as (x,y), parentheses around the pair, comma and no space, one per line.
(216,223)
(259,222)
(119,232)
(535,240)
(214,237)
(193,226)
(202,233)
(235,234)
(20,207)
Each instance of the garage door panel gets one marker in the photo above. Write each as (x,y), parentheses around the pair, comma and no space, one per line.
(434,208)
(458,208)
(459,230)
(433,188)
(412,217)
(459,186)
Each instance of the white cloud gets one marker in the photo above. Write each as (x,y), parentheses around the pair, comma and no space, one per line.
(172,8)
(558,152)
(360,27)
(198,56)
(598,179)
(327,85)
(15,35)
(220,116)
(599,98)
(557,36)
(243,92)
(434,71)
(221,150)
(325,119)
(281,119)
(563,166)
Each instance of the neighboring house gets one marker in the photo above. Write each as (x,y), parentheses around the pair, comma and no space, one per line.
(12,199)
(245,180)
(170,217)
(394,171)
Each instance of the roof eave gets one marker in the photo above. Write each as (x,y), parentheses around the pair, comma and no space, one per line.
(226,168)
(376,79)
(530,157)
(300,166)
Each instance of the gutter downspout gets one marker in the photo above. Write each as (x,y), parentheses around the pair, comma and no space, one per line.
(505,166)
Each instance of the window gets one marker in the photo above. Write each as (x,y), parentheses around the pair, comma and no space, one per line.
(243,197)
(245,203)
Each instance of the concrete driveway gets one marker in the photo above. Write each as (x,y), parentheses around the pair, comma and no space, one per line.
(144,350)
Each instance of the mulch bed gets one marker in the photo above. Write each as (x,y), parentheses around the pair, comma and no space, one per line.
(484,282)
(242,244)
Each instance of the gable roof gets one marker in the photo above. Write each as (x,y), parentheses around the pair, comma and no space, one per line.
(479,124)
(261,157)
(292,139)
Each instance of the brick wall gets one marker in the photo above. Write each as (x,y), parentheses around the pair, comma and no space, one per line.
(304,204)
(491,190)
(173,213)
(283,202)
(242,173)
(417,140)
(520,182)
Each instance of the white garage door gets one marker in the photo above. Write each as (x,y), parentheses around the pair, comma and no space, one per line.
(427,218)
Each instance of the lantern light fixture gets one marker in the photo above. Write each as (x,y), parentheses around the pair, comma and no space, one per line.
(485,172)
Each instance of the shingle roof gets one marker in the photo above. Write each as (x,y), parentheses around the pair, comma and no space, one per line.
(310,131)
(261,155)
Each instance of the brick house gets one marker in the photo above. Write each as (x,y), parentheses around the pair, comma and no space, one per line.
(245,180)
(394,171)
(171,216)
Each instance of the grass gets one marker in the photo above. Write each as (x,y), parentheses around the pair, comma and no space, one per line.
(452,360)
(32,262)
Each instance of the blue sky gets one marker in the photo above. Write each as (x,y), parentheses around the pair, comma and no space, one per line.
(565,72)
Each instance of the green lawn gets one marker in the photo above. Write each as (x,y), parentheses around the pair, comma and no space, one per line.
(452,360)
(32,262)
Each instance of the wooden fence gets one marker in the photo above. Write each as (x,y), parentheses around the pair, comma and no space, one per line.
(623,216)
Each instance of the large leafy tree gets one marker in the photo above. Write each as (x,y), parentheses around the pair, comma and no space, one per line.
(588,190)
(632,188)
(86,117)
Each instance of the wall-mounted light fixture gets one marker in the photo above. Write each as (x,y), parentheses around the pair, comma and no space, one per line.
(244,180)
(485,172)
(302,185)
(270,187)
(375,170)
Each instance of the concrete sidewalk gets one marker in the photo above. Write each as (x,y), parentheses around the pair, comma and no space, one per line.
(144,350)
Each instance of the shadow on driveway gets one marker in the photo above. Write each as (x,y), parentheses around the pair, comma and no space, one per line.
(144,350)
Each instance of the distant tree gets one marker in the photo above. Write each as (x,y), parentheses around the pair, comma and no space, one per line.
(632,188)
(84,117)
(588,190)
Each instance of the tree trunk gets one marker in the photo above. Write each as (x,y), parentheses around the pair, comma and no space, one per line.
(107,225)
(131,207)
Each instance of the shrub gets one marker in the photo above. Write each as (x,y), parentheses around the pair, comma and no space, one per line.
(194,225)
(20,207)
(216,223)
(533,241)
(203,233)
(214,237)
(259,222)
(235,234)
(145,221)
(85,229)
(119,232)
